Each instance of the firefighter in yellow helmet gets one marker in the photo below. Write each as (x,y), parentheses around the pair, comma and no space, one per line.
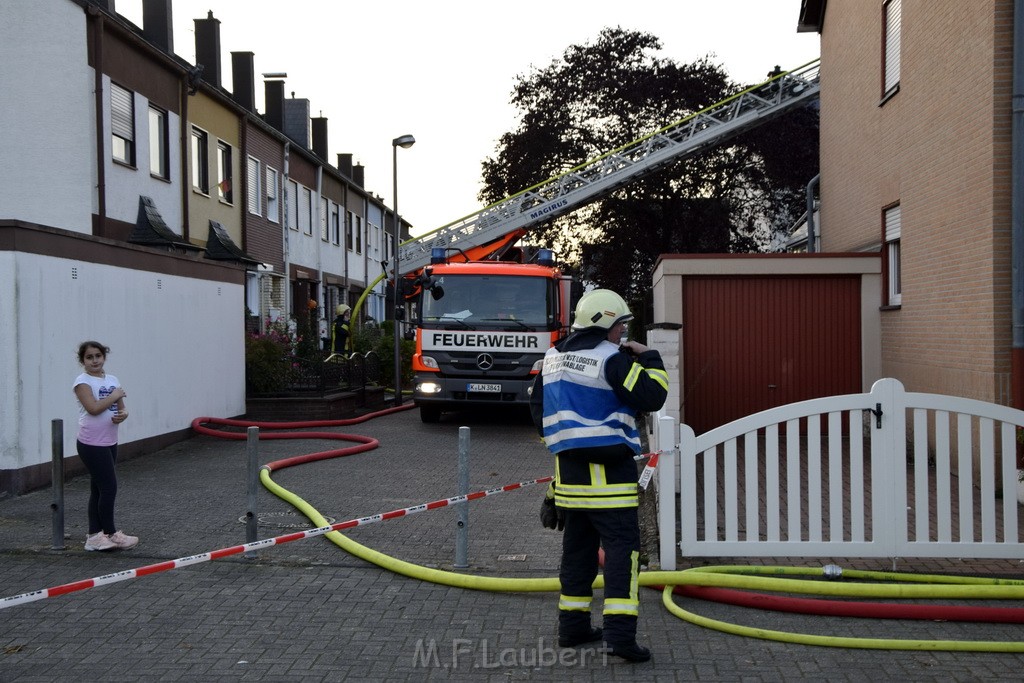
(339,328)
(584,403)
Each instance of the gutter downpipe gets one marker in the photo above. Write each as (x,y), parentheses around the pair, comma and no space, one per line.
(1017,209)
(810,210)
(321,293)
(99,28)
(343,238)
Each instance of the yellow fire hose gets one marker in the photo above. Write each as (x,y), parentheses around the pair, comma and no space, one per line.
(775,579)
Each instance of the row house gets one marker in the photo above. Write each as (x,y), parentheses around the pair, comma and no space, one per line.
(144,206)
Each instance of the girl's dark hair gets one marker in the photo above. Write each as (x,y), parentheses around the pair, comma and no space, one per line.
(91,344)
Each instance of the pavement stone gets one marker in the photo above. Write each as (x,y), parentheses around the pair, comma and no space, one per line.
(308,611)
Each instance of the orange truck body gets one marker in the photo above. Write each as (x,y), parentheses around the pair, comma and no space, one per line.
(482,329)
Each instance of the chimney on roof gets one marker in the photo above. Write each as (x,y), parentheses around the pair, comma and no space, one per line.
(296,120)
(157,26)
(273,93)
(345,164)
(243,80)
(357,174)
(208,48)
(320,136)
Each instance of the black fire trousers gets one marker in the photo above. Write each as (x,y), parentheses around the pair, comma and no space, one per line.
(617,530)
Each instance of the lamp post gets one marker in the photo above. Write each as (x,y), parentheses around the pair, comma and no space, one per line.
(405,142)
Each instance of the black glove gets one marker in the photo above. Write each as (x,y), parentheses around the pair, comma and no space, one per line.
(551,516)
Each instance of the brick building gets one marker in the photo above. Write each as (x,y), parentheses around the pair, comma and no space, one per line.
(916,157)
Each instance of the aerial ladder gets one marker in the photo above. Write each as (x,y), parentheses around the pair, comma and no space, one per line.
(499,225)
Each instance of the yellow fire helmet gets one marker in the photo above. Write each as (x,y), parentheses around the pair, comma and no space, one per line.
(601,308)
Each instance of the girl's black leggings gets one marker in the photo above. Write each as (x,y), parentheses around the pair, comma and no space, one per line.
(100,461)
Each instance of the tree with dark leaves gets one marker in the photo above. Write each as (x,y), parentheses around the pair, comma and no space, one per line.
(600,96)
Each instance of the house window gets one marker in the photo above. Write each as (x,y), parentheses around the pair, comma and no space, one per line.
(359,234)
(348,230)
(892,256)
(272,208)
(200,160)
(252,294)
(305,224)
(324,233)
(224,189)
(122,124)
(335,224)
(891,49)
(291,200)
(158,164)
(254,193)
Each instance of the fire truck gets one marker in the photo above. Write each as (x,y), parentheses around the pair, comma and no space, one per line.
(482,328)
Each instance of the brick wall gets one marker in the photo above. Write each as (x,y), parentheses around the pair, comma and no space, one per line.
(940,148)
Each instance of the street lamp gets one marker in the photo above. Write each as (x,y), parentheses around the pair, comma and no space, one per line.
(405,142)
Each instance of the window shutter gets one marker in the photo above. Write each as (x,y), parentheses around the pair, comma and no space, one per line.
(271,183)
(255,195)
(892,224)
(892,44)
(121,113)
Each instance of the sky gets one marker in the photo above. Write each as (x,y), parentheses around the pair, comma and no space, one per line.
(443,71)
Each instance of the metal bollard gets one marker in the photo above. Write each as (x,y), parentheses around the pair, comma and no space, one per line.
(252,449)
(57,481)
(462,509)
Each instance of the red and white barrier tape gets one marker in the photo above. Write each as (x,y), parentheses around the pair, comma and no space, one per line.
(255,545)
(277,540)
(648,473)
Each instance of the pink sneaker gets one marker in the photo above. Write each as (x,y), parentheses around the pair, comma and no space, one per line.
(99,541)
(123,541)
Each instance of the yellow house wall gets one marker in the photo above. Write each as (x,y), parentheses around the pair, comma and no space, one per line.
(220,124)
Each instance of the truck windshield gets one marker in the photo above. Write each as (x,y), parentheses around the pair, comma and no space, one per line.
(492,301)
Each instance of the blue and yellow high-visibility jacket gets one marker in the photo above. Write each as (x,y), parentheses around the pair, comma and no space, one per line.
(585,404)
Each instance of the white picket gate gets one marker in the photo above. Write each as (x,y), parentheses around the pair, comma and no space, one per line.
(888,473)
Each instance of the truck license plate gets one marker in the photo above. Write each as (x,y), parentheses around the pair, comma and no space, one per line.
(485,388)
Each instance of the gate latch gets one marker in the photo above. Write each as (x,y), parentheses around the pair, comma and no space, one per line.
(878,415)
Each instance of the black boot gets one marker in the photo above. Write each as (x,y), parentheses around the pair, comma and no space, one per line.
(575,639)
(631,651)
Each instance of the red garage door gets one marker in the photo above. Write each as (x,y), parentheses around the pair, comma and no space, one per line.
(752,343)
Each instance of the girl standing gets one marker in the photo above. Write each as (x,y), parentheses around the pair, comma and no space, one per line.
(101,410)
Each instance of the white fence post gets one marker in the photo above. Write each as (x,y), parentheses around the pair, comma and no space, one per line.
(666,444)
(888,466)
(687,485)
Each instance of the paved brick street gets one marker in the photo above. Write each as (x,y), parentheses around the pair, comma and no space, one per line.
(309,611)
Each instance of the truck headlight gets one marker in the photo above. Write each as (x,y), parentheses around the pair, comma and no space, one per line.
(537,366)
(428,362)
(428,388)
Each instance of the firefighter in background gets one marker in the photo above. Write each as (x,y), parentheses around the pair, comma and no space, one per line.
(339,328)
(584,403)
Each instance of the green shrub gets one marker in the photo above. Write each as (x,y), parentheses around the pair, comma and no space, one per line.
(384,347)
(266,361)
